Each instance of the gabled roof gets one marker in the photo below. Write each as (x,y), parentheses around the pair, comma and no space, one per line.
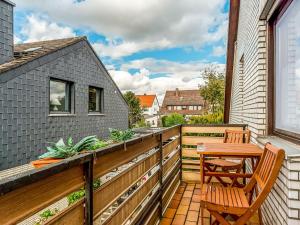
(146,101)
(183,97)
(40,50)
(28,52)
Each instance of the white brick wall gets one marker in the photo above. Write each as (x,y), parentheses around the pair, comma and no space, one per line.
(249,106)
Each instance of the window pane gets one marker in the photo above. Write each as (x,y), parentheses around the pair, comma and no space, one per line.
(95,99)
(59,96)
(287,80)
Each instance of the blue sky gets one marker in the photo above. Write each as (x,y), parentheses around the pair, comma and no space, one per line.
(147,46)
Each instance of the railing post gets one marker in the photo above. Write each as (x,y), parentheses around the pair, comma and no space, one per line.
(180,151)
(161,175)
(88,174)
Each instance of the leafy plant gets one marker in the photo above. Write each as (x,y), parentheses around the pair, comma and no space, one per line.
(99,144)
(173,119)
(46,215)
(213,89)
(75,196)
(135,109)
(61,150)
(119,135)
(216,118)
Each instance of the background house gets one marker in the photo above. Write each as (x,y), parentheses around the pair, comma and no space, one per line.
(49,90)
(262,90)
(185,102)
(150,105)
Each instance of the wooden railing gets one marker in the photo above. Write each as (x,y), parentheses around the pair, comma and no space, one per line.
(194,134)
(152,166)
(138,194)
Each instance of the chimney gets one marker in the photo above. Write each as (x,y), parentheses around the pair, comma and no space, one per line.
(177,92)
(6,31)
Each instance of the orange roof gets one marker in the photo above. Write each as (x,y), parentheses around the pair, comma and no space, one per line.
(146,100)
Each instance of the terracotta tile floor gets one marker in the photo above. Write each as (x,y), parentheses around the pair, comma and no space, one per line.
(184,208)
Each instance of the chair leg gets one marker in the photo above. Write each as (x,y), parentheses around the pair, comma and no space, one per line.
(218,178)
(219,218)
(211,170)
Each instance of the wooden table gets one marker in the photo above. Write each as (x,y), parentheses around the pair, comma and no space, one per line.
(231,151)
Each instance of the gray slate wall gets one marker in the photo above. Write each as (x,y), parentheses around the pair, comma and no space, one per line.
(6,31)
(25,124)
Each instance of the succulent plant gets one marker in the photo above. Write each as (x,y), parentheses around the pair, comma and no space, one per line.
(61,150)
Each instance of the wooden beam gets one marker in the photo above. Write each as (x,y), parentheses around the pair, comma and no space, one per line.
(232,35)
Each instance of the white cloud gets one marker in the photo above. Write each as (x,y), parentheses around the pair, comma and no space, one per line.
(37,28)
(141,25)
(178,75)
(17,40)
(218,51)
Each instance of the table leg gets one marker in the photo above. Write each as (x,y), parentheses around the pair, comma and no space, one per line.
(201,185)
(201,170)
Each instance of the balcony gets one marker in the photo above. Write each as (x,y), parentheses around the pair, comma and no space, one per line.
(153,178)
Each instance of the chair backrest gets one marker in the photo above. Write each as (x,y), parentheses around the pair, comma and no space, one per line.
(237,136)
(264,176)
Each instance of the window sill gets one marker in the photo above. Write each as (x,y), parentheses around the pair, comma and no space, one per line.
(62,115)
(292,150)
(96,114)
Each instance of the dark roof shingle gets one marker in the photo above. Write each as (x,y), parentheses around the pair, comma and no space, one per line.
(42,48)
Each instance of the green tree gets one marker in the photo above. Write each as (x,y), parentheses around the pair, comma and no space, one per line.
(213,89)
(173,119)
(135,109)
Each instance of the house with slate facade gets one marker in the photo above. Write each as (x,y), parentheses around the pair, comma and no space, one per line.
(50,90)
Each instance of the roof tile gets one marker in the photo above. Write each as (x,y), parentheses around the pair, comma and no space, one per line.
(46,48)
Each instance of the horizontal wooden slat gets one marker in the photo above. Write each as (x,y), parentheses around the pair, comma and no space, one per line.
(189,176)
(170,133)
(191,162)
(110,191)
(194,140)
(191,167)
(72,215)
(24,202)
(190,152)
(109,161)
(208,130)
(131,203)
(168,148)
(171,161)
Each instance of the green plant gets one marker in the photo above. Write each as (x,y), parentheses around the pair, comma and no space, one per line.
(135,109)
(216,118)
(99,144)
(173,119)
(75,196)
(141,123)
(119,135)
(45,215)
(61,150)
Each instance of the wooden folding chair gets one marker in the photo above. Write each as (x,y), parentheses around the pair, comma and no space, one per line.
(240,203)
(231,136)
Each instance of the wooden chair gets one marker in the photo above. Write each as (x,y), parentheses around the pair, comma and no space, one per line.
(239,203)
(231,136)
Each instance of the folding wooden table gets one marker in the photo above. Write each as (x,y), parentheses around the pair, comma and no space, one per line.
(228,150)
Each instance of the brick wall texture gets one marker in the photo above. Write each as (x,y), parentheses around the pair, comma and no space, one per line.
(25,124)
(249,106)
(6,31)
